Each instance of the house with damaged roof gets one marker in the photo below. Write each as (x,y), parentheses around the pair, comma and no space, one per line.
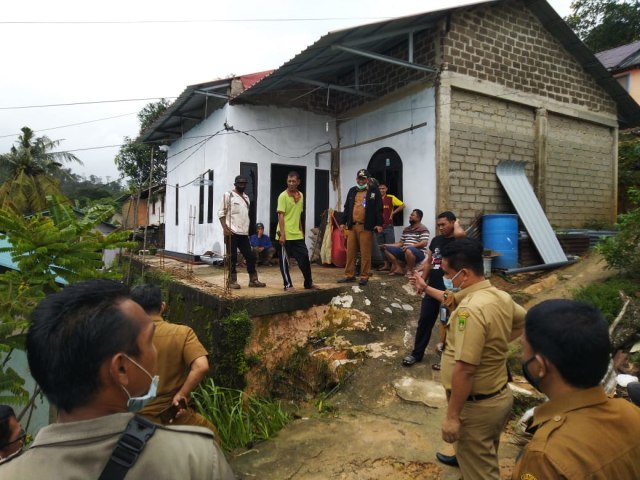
(429,103)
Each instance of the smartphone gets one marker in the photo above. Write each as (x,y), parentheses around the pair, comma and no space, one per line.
(169,414)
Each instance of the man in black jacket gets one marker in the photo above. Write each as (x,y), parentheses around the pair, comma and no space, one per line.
(362,215)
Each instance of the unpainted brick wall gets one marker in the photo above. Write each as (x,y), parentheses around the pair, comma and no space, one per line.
(485,131)
(579,177)
(507,44)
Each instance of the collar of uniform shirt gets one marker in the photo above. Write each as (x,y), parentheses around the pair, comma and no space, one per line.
(295,194)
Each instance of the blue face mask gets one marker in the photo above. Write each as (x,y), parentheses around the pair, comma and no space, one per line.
(135,404)
(448,283)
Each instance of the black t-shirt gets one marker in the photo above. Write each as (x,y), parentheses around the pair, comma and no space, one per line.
(436,274)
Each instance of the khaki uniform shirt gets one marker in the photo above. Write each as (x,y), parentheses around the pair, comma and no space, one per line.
(75,450)
(478,333)
(177,346)
(359,206)
(583,435)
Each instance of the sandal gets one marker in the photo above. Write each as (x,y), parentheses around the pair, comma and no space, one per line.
(435,366)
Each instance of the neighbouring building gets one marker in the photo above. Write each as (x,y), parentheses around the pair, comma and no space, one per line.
(429,103)
(624,64)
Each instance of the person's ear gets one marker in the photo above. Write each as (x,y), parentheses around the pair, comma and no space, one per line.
(544,365)
(163,307)
(118,367)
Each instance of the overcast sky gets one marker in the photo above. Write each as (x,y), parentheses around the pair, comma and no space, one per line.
(75,51)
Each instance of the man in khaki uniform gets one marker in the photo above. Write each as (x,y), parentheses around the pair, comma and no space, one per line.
(182,363)
(579,432)
(90,348)
(474,361)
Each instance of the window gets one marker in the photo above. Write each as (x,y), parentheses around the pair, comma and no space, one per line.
(201,201)
(177,192)
(210,198)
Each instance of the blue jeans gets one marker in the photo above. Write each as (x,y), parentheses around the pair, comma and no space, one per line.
(399,253)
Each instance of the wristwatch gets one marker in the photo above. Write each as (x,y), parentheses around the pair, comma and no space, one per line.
(445,295)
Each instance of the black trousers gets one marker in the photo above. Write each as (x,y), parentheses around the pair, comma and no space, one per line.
(241,242)
(298,250)
(429,310)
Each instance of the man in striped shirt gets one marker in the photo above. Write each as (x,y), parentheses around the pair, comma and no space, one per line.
(412,247)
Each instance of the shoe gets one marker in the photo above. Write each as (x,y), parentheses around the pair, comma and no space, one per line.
(363,282)
(449,460)
(409,360)
(347,280)
(313,287)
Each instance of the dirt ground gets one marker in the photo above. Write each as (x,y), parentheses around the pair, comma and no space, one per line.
(366,430)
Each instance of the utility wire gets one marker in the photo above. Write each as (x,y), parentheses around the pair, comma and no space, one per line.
(83,103)
(72,124)
(212,20)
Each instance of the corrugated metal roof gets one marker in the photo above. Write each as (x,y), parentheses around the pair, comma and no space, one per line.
(513,178)
(619,57)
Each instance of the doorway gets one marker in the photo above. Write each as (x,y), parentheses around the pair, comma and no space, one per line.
(250,172)
(279,175)
(386,167)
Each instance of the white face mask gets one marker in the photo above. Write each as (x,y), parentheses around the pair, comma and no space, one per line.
(448,283)
(135,404)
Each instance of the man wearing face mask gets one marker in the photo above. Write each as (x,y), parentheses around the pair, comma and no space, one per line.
(90,348)
(182,364)
(579,432)
(474,361)
(234,218)
(362,215)
(12,435)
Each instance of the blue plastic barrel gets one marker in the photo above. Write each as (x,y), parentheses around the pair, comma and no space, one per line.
(500,233)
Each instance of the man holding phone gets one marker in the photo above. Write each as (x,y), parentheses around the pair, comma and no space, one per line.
(182,364)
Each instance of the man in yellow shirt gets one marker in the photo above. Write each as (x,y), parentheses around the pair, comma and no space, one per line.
(474,361)
(290,233)
(579,432)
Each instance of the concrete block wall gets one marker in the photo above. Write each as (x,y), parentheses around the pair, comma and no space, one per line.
(507,44)
(579,177)
(485,131)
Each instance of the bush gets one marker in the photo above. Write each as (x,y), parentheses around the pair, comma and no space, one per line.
(623,250)
(605,295)
(241,419)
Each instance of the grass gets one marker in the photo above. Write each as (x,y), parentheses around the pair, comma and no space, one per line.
(242,420)
(605,295)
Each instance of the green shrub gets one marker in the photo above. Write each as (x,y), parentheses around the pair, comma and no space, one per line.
(605,295)
(241,419)
(623,250)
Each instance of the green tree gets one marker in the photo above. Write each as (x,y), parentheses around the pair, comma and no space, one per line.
(134,159)
(628,167)
(605,24)
(623,250)
(49,250)
(32,168)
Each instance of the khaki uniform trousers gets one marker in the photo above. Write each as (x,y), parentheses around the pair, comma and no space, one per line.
(359,240)
(482,422)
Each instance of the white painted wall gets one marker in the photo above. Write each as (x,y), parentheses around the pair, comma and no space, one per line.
(288,132)
(417,150)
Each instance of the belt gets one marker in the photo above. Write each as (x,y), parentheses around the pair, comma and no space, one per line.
(482,396)
(358,223)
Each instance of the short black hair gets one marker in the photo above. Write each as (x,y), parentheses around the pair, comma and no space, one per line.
(72,333)
(574,336)
(448,215)
(6,412)
(148,296)
(418,212)
(293,173)
(464,253)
